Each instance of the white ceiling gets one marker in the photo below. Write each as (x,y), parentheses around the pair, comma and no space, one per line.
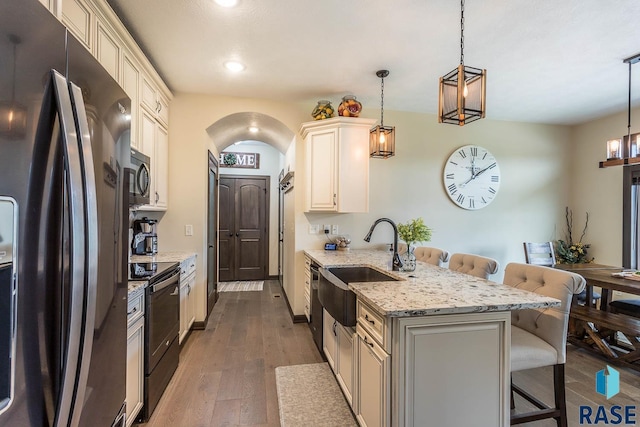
(556,62)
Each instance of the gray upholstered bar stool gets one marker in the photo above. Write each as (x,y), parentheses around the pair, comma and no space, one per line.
(539,336)
(427,254)
(474,265)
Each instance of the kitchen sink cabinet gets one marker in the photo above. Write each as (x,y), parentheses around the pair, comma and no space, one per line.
(373,389)
(187,296)
(135,355)
(337,164)
(338,347)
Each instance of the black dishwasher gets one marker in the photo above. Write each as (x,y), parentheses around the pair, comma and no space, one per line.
(316,309)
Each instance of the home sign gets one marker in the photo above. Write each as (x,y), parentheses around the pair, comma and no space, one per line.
(240,160)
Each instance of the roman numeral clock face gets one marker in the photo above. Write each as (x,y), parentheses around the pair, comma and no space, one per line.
(472,177)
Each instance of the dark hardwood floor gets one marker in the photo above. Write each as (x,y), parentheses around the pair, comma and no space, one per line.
(226,375)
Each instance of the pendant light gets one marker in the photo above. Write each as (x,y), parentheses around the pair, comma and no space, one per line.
(13,116)
(382,139)
(625,150)
(462,91)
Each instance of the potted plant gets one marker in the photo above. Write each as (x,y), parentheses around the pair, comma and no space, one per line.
(413,231)
(568,251)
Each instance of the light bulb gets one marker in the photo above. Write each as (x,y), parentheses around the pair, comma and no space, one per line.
(383,139)
(10,115)
(465,91)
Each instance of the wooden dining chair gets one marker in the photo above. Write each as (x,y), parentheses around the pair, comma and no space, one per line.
(474,265)
(539,336)
(544,254)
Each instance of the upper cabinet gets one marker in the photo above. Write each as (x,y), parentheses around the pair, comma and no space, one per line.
(98,28)
(337,164)
(78,18)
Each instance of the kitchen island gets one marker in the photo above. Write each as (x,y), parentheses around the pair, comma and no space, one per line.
(432,349)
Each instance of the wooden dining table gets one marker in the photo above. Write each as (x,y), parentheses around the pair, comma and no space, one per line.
(600,275)
(597,329)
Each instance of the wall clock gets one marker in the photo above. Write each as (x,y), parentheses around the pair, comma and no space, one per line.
(471,177)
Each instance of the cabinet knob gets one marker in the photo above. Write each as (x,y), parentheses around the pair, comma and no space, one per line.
(132,311)
(334,199)
(157,197)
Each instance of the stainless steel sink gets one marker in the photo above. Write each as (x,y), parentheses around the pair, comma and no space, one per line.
(334,293)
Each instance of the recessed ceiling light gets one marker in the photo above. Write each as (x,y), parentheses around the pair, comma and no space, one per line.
(234,66)
(254,129)
(226,3)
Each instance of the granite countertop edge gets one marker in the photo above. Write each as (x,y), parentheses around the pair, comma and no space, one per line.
(168,256)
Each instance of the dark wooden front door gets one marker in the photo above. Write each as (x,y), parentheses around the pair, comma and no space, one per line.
(243,229)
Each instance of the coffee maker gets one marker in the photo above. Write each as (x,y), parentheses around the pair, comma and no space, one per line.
(145,239)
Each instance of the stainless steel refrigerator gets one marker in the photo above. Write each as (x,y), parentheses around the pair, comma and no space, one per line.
(64,147)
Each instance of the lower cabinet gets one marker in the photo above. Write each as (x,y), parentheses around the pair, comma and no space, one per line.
(135,355)
(187,296)
(339,351)
(372,406)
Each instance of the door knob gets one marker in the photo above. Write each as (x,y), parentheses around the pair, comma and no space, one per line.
(237,234)
(230,234)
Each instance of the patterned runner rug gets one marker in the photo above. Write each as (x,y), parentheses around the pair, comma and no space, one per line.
(308,395)
(240,286)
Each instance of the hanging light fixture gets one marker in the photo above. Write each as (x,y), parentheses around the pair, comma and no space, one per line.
(625,150)
(13,116)
(382,139)
(462,91)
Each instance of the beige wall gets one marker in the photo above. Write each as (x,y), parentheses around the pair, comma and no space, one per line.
(544,168)
(599,191)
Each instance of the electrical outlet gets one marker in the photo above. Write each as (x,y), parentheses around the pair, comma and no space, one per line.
(327,228)
(314,228)
(188,230)
(334,229)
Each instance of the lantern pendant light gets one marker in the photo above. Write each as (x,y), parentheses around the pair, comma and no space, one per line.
(462,91)
(13,115)
(382,139)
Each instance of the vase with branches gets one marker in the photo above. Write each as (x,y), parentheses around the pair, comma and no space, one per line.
(568,251)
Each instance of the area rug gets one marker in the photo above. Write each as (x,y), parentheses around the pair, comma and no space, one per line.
(240,286)
(308,395)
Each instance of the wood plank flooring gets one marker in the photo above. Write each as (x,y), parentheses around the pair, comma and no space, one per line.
(226,375)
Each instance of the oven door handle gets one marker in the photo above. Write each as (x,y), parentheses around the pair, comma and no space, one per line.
(165,283)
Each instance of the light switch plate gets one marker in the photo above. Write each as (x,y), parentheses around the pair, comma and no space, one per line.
(334,229)
(188,230)
(314,228)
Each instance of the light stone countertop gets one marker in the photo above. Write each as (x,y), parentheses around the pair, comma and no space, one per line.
(429,289)
(169,256)
(134,285)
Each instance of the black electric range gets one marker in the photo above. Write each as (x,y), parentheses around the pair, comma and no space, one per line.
(150,270)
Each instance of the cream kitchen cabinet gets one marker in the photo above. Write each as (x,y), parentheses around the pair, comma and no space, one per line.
(108,49)
(155,144)
(373,389)
(131,85)
(338,347)
(187,296)
(78,17)
(154,102)
(135,354)
(337,164)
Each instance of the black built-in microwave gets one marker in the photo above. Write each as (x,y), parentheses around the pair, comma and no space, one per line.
(139,178)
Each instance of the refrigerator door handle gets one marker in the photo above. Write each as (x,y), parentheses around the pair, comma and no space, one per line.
(77,232)
(91,246)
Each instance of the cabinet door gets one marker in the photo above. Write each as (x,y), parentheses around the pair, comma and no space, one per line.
(321,166)
(149,95)
(77,17)
(163,110)
(344,371)
(191,301)
(329,338)
(372,409)
(161,174)
(184,296)
(131,85)
(107,50)
(135,370)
